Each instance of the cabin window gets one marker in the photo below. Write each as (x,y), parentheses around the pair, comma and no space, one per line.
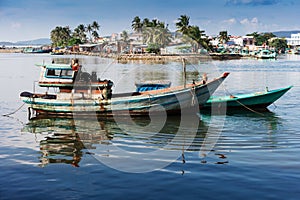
(67,73)
(53,72)
(59,73)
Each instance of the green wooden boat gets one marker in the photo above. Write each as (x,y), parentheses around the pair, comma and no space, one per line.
(256,100)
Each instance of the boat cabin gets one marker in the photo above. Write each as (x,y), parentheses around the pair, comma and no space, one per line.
(71,79)
(56,75)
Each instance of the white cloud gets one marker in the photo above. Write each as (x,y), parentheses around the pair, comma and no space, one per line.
(15,25)
(254,20)
(250,22)
(231,21)
(252,2)
(251,25)
(244,21)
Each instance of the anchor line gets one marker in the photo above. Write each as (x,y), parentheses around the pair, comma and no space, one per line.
(259,113)
(249,108)
(7,115)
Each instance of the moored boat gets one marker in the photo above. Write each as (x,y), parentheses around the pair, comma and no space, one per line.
(256,100)
(266,54)
(36,50)
(84,94)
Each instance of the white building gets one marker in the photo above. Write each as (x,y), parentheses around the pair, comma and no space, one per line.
(237,40)
(294,40)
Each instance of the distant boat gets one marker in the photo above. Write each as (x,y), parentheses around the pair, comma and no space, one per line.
(36,50)
(256,100)
(266,54)
(84,94)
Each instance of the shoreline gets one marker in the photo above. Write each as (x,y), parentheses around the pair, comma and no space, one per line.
(147,57)
(124,58)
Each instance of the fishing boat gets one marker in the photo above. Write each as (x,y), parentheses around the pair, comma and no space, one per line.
(37,50)
(266,54)
(256,101)
(82,93)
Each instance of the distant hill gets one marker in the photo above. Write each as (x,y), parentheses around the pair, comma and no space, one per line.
(285,34)
(41,41)
(6,43)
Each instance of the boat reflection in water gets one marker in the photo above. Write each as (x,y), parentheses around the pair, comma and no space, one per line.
(119,140)
(62,143)
(142,144)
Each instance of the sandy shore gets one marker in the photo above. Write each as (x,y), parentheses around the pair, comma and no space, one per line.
(11,50)
(160,58)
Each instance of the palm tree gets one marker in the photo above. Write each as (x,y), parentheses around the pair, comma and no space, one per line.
(197,37)
(154,22)
(125,36)
(95,27)
(124,40)
(137,24)
(60,36)
(223,37)
(148,33)
(79,33)
(158,35)
(162,36)
(95,34)
(89,29)
(146,22)
(183,24)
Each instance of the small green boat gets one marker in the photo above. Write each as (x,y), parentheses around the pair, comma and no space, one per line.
(256,100)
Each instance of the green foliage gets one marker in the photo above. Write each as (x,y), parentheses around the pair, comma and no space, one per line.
(153,48)
(223,37)
(63,36)
(125,36)
(74,41)
(137,24)
(183,24)
(278,44)
(60,36)
(192,34)
(154,31)
(262,38)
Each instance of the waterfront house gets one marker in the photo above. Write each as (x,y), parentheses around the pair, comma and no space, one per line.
(294,40)
(90,47)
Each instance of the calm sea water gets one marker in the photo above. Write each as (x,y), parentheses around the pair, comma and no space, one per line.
(238,156)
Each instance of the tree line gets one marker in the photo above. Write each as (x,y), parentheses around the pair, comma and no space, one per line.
(156,35)
(64,36)
(262,39)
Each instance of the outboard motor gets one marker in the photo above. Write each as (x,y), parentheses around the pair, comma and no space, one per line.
(94,77)
(84,77)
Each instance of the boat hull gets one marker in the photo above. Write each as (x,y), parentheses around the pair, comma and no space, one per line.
(257,101)
(170,101)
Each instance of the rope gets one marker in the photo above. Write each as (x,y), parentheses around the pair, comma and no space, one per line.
(249,108)
(231,94)
(7,115)
(193,96)
(15,119)
(242,103)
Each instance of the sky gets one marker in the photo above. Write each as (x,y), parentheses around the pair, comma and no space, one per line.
(33,19)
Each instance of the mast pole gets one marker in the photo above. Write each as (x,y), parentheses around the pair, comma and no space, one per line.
(184,71)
